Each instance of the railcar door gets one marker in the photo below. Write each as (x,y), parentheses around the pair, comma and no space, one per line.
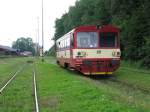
(71,47)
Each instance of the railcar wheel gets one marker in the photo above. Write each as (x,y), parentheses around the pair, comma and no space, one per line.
(66,65)
(57,62)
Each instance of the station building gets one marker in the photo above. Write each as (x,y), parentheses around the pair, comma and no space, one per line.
(6,50)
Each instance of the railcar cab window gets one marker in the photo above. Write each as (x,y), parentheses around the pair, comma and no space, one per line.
(87,39)
(108,39)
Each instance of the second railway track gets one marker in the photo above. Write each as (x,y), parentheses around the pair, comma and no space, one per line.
(11,78)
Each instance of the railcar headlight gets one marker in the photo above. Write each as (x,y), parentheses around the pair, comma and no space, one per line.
(84,54)
(113,53)
(81,54)
(116,53)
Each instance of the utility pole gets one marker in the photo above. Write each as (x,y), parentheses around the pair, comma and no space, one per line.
(42,34)
(37,42)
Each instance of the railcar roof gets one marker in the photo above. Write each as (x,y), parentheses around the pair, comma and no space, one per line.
(61,38)
(103,28)
(7,48)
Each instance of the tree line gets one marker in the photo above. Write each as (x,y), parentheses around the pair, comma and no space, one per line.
(131,16)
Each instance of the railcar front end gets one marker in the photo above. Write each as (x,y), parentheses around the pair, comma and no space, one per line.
(97,61)
(93,50)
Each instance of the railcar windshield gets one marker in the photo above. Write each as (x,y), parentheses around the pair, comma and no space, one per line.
(108,39)
(87,39)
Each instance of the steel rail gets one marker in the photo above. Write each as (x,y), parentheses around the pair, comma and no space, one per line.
(135,87)
(8,82)
(106,80)
(35,91)
(133,70)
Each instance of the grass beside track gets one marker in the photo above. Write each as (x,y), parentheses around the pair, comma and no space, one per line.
(64,91)
(61,90)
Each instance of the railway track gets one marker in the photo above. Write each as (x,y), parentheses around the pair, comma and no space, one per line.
(114,79)
(134,70)
(109,79)
(13,75)
(35,90)
(129,85)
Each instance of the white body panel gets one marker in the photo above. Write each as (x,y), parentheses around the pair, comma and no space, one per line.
(90,53)
(63,54)
(96,53)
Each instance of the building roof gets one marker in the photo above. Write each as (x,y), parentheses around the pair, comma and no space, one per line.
(7,48)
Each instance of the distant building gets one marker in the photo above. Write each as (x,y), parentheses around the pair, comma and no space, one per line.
(6,50)
(26,53)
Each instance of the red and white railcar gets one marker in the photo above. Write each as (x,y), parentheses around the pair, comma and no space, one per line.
(92,50)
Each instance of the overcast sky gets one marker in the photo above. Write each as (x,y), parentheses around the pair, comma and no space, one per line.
(18,18)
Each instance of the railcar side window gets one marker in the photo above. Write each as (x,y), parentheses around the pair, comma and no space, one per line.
(87,39)
(108,39)
(72,40)
(68,42)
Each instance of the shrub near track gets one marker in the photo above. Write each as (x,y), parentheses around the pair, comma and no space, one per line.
(63,91)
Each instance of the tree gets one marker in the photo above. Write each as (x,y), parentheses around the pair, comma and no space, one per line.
(131,16)
(24,44)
